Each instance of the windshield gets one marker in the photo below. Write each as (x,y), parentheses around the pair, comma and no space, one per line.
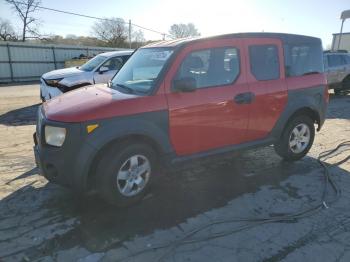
(139,74)
(92,63)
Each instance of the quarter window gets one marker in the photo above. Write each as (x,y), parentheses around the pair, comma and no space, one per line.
(211,67)
(264,62)
(302,59)
(347,59)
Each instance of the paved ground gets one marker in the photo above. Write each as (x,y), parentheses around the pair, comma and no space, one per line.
(44,222)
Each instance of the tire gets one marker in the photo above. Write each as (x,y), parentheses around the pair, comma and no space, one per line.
(117,183)
(291,147)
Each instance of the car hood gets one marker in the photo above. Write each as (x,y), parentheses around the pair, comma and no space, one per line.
(61,73)
(90,103)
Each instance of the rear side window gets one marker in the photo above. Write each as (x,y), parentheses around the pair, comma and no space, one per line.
(336,60)
(303,59)
(264,62)
(210,67)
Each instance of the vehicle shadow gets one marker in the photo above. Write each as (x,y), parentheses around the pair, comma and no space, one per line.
(27,83)
(177,196)
(21,116)
(339,107)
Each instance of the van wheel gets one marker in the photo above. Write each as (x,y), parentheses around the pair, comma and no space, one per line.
(297,139)
(124,174)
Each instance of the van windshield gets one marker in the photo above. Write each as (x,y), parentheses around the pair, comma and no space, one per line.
(141,71)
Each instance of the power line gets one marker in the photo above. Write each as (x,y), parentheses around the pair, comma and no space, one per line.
(92,17)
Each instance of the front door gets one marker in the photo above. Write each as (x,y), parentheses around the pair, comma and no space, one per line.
(216,113)
(113,65)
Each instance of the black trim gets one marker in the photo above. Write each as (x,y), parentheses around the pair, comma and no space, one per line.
(222,150)
(58,164)
(310,98)
(70,164)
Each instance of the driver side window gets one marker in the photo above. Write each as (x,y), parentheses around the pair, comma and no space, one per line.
(115,63)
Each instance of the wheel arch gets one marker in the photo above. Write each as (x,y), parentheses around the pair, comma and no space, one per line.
(306,111)
(119,141)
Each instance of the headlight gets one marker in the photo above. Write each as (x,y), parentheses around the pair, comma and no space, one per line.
(55,136)
(53,82)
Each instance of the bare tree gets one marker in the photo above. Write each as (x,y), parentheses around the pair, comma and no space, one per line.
(183,30)
(6,31)
(25,10)
(138,39)
(112,31)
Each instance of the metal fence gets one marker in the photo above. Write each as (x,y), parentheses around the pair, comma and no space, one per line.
(27,62)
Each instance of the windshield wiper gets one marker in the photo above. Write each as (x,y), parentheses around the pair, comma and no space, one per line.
(129,90)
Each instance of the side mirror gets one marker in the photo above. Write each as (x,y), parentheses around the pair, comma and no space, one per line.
(186,84)
(103,69)
(109,83)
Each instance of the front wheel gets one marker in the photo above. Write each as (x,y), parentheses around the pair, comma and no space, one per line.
(297,139)
(125,173)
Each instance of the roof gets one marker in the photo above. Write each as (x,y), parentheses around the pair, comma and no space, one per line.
(336,52)
(117,53)
(344,33)
(284,37)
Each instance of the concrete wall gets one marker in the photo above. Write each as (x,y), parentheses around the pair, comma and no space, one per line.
(27,62)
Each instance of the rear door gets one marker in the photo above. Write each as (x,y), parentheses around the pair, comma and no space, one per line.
(266,80)
(208,117)
(345,68)
(335,69)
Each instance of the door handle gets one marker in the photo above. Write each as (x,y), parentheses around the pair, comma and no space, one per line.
(244,98)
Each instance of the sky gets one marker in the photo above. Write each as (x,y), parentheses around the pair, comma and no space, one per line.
(318,18)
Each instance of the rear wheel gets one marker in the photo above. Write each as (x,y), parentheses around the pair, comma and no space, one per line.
(124,174)
(297,138)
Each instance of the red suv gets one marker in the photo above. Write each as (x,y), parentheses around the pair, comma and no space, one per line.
(183,99)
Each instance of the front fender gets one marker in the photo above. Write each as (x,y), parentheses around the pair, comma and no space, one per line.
(153,125)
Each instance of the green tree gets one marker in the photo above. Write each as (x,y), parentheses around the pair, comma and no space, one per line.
(183,30)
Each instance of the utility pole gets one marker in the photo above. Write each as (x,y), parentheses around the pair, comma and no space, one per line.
(344,15)
(130,33)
